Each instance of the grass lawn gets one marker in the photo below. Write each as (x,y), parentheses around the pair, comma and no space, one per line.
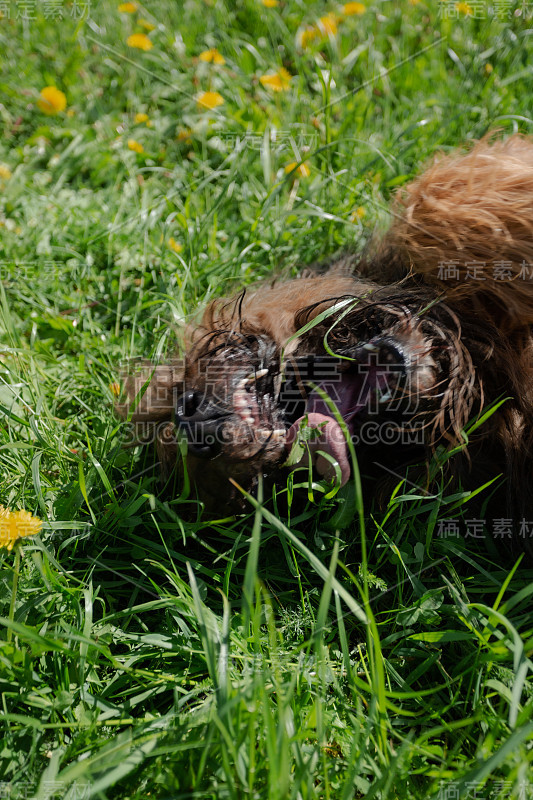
(144,651)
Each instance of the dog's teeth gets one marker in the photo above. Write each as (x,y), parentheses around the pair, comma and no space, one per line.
(273,436)
(372,348)
(239,400)
(245,416)
(254,376)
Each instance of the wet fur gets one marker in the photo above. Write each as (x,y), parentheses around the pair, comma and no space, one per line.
(473,207)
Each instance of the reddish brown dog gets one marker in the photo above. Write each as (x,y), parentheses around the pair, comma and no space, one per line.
(398,350)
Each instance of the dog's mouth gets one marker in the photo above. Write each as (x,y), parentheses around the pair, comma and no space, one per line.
(368,385)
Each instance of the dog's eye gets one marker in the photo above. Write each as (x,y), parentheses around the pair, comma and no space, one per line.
(392,353)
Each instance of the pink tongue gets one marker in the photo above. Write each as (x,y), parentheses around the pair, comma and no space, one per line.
(331,441)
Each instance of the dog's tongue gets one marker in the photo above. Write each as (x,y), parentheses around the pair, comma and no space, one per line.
(331,440)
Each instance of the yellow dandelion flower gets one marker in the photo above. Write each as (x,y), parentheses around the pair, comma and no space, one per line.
(184,135)
(115,389)
(488,69)
(213,56)
(349,9)
(277,81)
(359,213)
(327,25)
(140,41)
(140,118)
(306,36)
(174,245)
(128,8)
(414,2)
(270,3)
(210,100)
(52,100)
(135,146)
(146,24)
(463,8)
(302,170)
(5,172)
(14,525)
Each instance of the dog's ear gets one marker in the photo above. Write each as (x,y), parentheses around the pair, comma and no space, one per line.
(466,226)
(149,391)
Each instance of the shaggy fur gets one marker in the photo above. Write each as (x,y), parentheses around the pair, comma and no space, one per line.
(417,338)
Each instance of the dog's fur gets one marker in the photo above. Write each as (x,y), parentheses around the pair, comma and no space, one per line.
(437,348)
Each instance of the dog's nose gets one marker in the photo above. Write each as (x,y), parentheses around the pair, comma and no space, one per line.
(200,422)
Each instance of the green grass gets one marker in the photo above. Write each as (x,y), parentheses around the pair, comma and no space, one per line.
(264,657)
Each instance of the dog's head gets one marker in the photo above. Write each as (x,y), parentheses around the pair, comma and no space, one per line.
(388,369)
